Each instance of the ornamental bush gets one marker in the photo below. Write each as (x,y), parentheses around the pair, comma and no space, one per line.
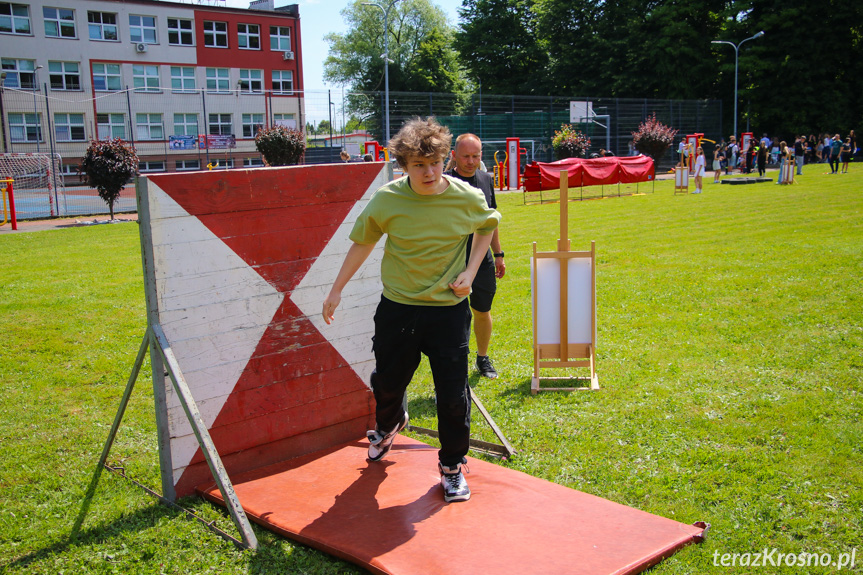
(653,138)
(569,143)
(107,165)
(281,146)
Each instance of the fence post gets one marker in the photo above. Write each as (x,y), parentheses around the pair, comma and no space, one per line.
(205,126)
(51,136)
(131,124)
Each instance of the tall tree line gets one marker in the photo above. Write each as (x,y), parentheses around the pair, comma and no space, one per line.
(805,75)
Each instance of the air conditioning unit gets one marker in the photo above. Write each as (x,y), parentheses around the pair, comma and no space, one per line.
(140,47)
(288,55)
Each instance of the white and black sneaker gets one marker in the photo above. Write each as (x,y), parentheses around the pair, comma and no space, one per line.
(484,367)
(453,482)
(380,444)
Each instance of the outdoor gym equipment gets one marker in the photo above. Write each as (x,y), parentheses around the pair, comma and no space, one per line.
(8,194)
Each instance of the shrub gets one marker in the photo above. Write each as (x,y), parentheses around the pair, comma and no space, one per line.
(653,138)
(569,143)
(281,146)
(107,165)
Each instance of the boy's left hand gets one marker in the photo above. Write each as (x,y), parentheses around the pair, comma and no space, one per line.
(461,285)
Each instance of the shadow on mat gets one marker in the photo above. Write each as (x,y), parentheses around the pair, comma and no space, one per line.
(356,521)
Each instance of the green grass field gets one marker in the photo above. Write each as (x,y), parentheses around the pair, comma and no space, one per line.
(729,355)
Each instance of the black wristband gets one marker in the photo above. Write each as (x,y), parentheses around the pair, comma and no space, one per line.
(498,255)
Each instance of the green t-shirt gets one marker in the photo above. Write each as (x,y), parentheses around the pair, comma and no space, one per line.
(426,238)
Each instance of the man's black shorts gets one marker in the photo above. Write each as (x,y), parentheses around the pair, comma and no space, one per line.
(484,287)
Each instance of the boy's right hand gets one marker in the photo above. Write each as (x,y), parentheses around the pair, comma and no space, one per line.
(330,305)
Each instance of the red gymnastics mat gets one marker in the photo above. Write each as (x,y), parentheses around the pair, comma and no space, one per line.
(390,516)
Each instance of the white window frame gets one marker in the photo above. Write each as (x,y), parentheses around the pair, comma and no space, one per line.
(246,37)
(222,121)
(106,75)
(102,27)
(149,126)
(145,78)
(213,32)
(181,30)
(280,42)
(55,16)
(188,165)
(138,30)
(67,122)
(218,80)
(251,81)
(250,122)
(223,163)
(110,122)
(19,73)
(25,123)
(65,71)
(281,117)
(279,81)
(13,20)
(183,79)
(253,163)
(187,128)
(153,166)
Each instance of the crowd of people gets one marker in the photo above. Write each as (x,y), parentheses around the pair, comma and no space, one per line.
(758,155)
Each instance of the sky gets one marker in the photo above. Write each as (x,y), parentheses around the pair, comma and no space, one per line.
(320,17)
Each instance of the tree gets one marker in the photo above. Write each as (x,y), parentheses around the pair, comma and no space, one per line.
(108,165)
(281,146)
(497,42)
(653,138)
(420,57)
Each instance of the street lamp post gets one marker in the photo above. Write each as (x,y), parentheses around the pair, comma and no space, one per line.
(736,54)
(386,57)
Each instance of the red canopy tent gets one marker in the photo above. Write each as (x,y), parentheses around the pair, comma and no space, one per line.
(540,176)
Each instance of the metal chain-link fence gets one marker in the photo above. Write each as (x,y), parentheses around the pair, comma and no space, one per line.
(177,129)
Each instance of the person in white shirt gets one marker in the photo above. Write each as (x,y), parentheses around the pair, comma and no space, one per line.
(698,169)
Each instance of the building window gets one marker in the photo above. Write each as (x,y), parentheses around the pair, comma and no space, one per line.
(283,81)
(186,125)
(252,162)
(151,166)
(280,38)
(188,165)
(215,34)
(25,127)
(69,127)
(102,26)
(180,32)
(182,78)
(251,124)
(109,126)
(64,75)
(251,81)
(223,163)
(220,125)
(149,126)
(286,120)
(106,77)
(19,73)
(218,79)
(145,78)
(142,29)
(59,22)
(14,18)
(249,36)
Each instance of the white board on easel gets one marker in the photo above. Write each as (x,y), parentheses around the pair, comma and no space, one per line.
(547,314)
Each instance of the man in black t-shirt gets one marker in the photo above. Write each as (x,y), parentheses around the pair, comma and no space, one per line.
(467,157)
